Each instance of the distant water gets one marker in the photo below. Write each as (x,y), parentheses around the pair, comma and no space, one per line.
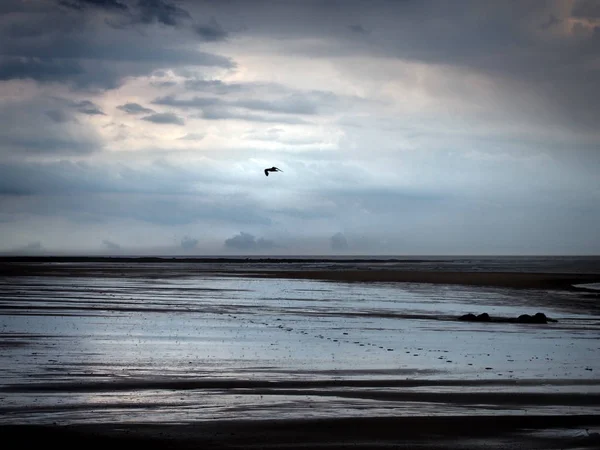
(537,264)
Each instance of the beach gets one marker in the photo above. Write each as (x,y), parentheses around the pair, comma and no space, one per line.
(297,354)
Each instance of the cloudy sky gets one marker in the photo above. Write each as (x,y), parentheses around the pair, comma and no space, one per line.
(402,127)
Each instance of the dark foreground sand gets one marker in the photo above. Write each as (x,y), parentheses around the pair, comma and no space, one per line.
(478,432)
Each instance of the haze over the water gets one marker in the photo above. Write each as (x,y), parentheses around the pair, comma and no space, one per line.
(416,127)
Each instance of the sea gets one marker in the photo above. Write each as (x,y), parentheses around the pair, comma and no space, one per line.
(180,339)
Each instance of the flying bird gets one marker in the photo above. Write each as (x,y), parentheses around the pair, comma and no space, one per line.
(272,169)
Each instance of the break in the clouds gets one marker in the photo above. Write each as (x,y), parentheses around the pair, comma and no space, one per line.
(144,126)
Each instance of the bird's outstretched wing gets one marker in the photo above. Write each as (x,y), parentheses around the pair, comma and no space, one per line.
(266,172)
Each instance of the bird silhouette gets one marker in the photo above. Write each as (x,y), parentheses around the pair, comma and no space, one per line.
(272,169)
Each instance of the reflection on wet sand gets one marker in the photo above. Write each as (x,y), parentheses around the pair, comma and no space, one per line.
(122,347)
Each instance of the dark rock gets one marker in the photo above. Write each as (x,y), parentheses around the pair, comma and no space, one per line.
(524,318)
(538,318)
(468,318)
(485,317)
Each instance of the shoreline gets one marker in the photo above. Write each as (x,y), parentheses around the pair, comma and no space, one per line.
(239,268)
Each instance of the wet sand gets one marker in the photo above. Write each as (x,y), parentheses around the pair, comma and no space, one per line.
(571,405)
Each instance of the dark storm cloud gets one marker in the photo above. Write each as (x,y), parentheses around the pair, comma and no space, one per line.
(135,108)
(525,47)
(211,31)
(141,11)
(44,69)
(107,4)
(246,241)
(166,118)
(102,68)
(162,11)
(50,44)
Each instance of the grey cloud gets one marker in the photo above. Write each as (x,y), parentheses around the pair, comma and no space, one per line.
(552,21)
(211,31)
(588,9)
(339,242)
(135,108)
(357,29)
(293,104)
(226,114)
(195,102)
(58,116)
(217,109)
(67,177)
(307,104)
(188,243)
(165,118)
(192,137)
(33,248)
(157,194)
(88,107)
(111,245)
(163,84)
(161,209)
(214,86)
(42,126)
(246,241)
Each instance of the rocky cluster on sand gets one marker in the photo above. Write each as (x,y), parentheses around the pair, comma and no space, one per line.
(538,318)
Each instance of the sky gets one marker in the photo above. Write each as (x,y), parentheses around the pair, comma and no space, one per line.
(402,127)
